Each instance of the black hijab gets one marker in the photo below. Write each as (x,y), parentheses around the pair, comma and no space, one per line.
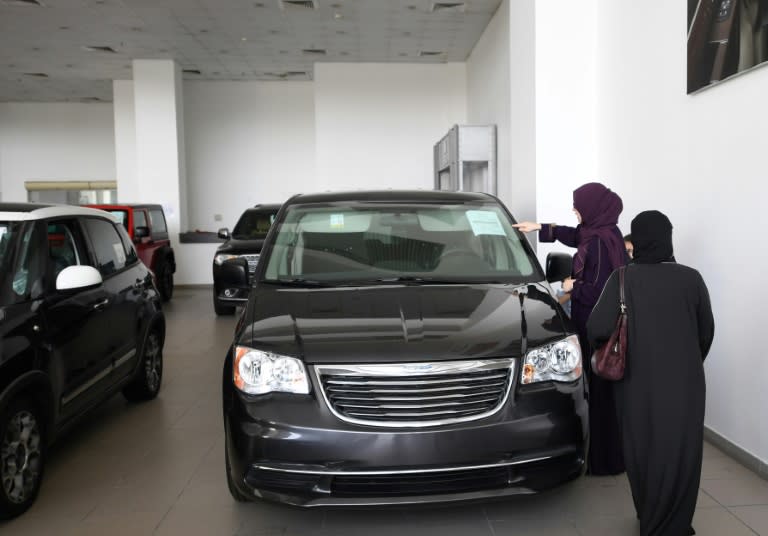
(652,238)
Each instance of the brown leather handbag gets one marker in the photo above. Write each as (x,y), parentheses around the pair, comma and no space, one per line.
(609,360)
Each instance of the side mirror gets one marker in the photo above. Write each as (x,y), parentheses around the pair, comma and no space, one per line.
(234,273)
(224,233)
(559,267)
(78,278)
(140,232)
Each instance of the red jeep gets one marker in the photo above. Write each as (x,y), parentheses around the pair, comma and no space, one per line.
(147,228)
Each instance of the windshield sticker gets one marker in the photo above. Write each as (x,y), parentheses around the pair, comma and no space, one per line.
(485,222)
(337,221)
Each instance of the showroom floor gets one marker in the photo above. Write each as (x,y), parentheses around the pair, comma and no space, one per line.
(158,468)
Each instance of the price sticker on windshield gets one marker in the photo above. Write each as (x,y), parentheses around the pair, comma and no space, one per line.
(485,222)
(337,221)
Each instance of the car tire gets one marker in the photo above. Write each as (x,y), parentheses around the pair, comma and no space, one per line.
(164,274)
(22,456)
(146,384)
(221,309)
(237,495)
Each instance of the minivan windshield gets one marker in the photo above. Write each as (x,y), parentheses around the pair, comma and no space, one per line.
(254,224)
(383,242)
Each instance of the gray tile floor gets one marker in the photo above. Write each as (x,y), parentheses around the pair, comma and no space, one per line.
(158,468)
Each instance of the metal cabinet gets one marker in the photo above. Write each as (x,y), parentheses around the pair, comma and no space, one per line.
(465,159)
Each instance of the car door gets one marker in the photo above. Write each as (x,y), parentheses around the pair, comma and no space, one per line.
(120,284)
(77,323)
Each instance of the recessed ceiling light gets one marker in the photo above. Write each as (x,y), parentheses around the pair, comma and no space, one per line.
(191,71)
(430,53)
(203,31)
(100,48)
(298,4)
(338,16)
(447,6)
(314,52)
(243,39)
(28,3)
(63,27)
(36,75)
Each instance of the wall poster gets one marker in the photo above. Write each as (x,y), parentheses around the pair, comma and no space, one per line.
(725,38)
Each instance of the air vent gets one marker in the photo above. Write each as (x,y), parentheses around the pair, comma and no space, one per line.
(191,71)
(430,53)
(442,7)
(36,75)
(314,52)
(298,5)
(28,3)
(100,48)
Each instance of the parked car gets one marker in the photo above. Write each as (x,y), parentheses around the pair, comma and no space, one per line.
(147,227)
(243,243)
(401,347)
(80,320)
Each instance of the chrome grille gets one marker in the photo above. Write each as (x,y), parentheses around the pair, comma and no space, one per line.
(253,261)
(416,394)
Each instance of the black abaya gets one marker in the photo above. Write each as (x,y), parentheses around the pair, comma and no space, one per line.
(661,398)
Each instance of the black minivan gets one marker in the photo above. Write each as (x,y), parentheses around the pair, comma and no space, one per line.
(80,320)
(401,347)
(244,245)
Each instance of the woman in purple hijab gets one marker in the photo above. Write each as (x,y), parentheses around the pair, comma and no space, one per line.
(600,250)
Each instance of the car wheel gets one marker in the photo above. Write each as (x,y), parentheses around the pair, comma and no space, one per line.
(220,308)
(164,275)
(146,384)
(22,457)
(236,493)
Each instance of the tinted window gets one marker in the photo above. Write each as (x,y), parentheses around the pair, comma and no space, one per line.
(354,242)
(130,252)
(107,245)
(65,247)
(254,224)
(158,221)
(139,219)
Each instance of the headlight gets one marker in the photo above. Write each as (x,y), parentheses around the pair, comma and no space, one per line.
(559,361)
(257,373)
(221,257)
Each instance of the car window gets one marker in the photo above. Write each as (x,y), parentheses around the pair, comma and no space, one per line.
(28,272)
(121,215)
(157,218)
(107,245)
(139,219)
(254,224)
(65,246)
(131,256)
(351,242)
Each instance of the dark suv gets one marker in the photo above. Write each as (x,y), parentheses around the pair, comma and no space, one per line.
(80,319)
(148,230)
(401,347)
(243,245)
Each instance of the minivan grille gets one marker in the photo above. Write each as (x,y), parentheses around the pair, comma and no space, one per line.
(416,394)
(253,261)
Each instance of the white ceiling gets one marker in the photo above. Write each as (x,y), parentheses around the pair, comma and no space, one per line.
(223,39)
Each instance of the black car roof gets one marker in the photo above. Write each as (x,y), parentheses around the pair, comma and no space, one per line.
(22,207)
(394,196)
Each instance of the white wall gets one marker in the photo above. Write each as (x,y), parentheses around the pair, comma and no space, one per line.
(65,141)
(489,100)
(701,160)
(376,124)
(246,143)
(566,153)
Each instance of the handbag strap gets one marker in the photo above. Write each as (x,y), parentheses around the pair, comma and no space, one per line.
(622,300)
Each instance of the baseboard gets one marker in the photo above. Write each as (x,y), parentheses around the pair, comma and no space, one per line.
(745,458)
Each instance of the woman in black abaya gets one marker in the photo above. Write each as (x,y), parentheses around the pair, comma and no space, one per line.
(661,398)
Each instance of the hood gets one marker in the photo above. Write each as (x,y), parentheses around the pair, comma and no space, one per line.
(401,323)
(238,247)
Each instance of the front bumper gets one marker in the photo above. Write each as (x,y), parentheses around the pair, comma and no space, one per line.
(292,449)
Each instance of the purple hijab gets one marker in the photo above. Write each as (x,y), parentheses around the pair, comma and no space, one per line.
(600,209)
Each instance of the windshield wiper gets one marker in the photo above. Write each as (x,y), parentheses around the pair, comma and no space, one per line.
(297,282)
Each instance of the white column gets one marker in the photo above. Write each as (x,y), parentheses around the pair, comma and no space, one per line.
(125,141)
(159,123)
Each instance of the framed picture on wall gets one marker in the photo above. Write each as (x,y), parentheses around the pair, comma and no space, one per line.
(725,38)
